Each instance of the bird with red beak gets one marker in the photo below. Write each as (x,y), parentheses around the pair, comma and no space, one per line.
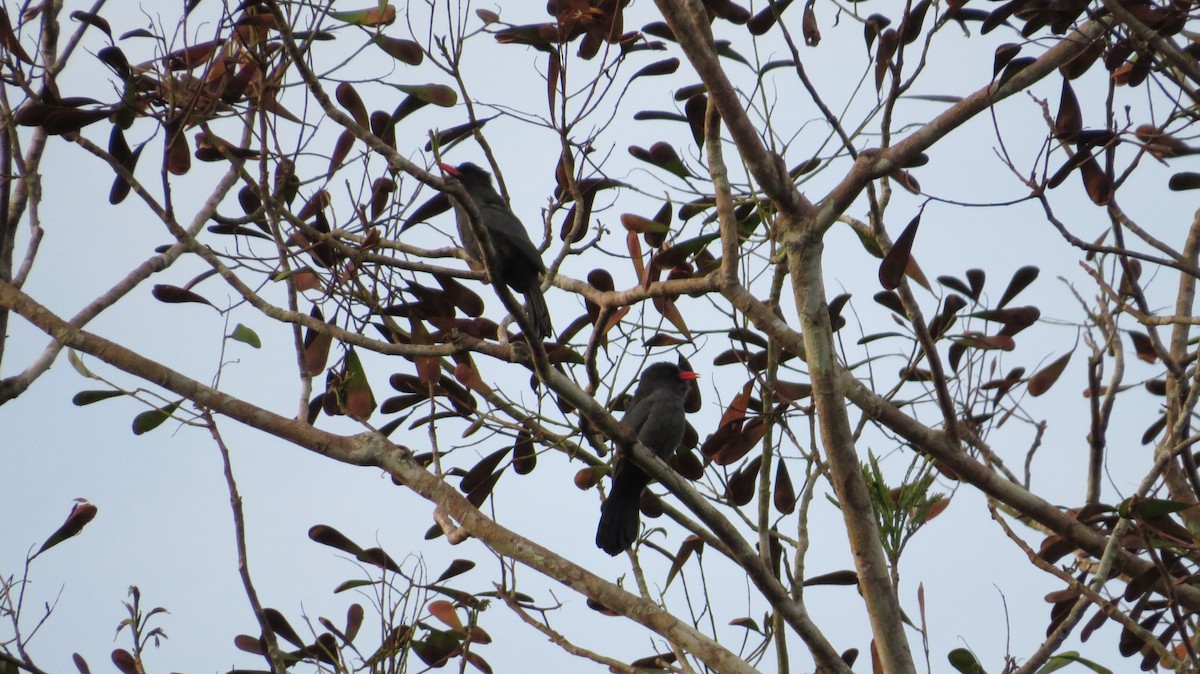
(656,414)
(517,263)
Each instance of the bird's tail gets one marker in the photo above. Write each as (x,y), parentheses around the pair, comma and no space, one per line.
(619,514)
(539,313)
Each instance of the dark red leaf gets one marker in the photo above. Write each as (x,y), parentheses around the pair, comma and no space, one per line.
(1020,280)
(891,270)
(1041,382)
(348,98)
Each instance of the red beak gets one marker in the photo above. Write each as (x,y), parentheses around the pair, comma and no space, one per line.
(690,376)
(450,170)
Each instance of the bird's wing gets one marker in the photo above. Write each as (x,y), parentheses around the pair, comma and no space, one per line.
(638,412)
(665,422)
(501,221)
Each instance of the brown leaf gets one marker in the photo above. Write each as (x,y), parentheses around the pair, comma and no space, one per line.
(1070,119)
(664,67)
(384,129)
(81,513)
(891,270)
(446,137)
(809,27)
(192,57)
(910,27)
(170,294)
(1096,182)
(478,495)
(481,471)
(316,352)
(381,191)
(319,201)
(1084,60)
(762,22)
(9,41)
(635,254)
(179,155)
(788,391)
(1161,144)
(345,143)
(348,98)
(736,412)
(642,225)
(667,308)
(687,464)
(121,188)
(444,611)
(977,278)
(466,373)
(1020,280)
(1143,346)
(740,489)
(524,454)
(1004,53)
(690,544)
(888,41)
(589,477)
(740,442)
(124,661)
(785,493)
(978,340)
(1041,382)
(405,51)
(663,339)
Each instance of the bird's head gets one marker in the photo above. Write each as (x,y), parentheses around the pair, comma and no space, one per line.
(468,174)
(666,375)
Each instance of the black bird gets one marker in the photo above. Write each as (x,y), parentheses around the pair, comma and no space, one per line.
(518,264)
(656,414)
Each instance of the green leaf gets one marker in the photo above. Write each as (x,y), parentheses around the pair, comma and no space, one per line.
(1150,508)
(243,334)
(682,250)
(360,401)
(351,584)
(723,49)
(1063,659)
(382,14)
(934,98)
(77,363)
(965,662)
(88,397)
(152,419)
(748,623)
(438,94)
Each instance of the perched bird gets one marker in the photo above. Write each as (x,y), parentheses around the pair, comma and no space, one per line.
(518,264)
(656,414)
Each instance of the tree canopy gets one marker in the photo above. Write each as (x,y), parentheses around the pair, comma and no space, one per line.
(802,204)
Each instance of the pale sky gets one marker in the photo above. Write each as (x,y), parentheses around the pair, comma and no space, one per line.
(164,522)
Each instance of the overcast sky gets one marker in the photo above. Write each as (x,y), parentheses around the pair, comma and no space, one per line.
(164,521)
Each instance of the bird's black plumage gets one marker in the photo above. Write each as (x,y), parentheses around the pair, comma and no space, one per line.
(656,414)
(518,264)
